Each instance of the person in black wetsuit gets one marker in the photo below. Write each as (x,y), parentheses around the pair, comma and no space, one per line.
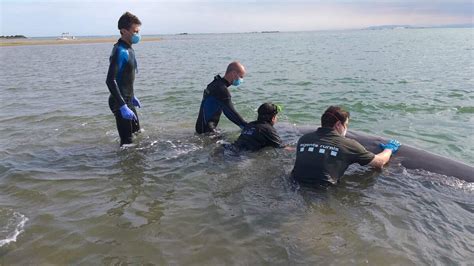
(120,78)
(323,156)
(261,133)
(217,99)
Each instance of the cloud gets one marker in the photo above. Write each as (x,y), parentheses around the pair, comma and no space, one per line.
(88,17)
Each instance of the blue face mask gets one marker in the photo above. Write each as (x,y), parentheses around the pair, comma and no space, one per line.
(237,82)
(136,38)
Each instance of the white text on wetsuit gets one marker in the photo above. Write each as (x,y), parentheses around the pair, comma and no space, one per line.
(322,148)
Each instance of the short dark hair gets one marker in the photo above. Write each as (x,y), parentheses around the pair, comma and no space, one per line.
(334,114)
(267,111)
(127,20)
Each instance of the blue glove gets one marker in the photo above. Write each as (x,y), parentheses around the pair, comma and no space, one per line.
(127,113)
(393,145)
(136,102)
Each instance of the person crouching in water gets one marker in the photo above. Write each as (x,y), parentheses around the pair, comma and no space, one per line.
(261,133)
(323,156)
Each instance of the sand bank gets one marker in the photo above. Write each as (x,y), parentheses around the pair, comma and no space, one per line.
(21,42)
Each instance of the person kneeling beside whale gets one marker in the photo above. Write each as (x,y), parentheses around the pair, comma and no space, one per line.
(261,133)
(323,156)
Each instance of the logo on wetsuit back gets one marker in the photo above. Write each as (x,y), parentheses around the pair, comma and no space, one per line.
(248,131)
(311,147)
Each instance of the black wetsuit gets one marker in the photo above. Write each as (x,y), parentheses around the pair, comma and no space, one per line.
(215,100)
(323,156)
(258,134)
(120,78)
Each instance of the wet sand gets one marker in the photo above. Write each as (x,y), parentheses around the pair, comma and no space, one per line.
(22,42)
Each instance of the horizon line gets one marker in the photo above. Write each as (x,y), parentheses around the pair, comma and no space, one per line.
(388,26)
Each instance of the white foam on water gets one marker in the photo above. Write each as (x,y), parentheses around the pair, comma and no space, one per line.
(222,142)
(127,146)
(13,227)
(112,133)
(440,179)
(179,148)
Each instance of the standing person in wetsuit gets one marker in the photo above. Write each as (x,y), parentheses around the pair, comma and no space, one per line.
(261,133)
(323,156)
(217,99)
(121,76)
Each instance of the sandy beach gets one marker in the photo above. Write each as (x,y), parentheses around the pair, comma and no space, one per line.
(79,40)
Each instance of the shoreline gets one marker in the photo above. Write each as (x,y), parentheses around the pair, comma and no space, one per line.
(26,42)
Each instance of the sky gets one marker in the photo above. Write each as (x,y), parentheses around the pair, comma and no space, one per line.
(37,18)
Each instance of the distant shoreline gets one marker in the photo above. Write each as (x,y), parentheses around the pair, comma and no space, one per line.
(25,42)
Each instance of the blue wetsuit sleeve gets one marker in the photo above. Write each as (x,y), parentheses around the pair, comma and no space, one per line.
(117,63)
(231,113)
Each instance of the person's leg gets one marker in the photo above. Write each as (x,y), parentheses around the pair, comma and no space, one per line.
(135,123)
(124,128)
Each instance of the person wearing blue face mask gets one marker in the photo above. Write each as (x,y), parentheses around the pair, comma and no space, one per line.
(120,78)
(216,100)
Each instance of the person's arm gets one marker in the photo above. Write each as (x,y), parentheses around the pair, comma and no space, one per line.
(274,139)
(231,113)
(289,148)
(117,63)
(382,158)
